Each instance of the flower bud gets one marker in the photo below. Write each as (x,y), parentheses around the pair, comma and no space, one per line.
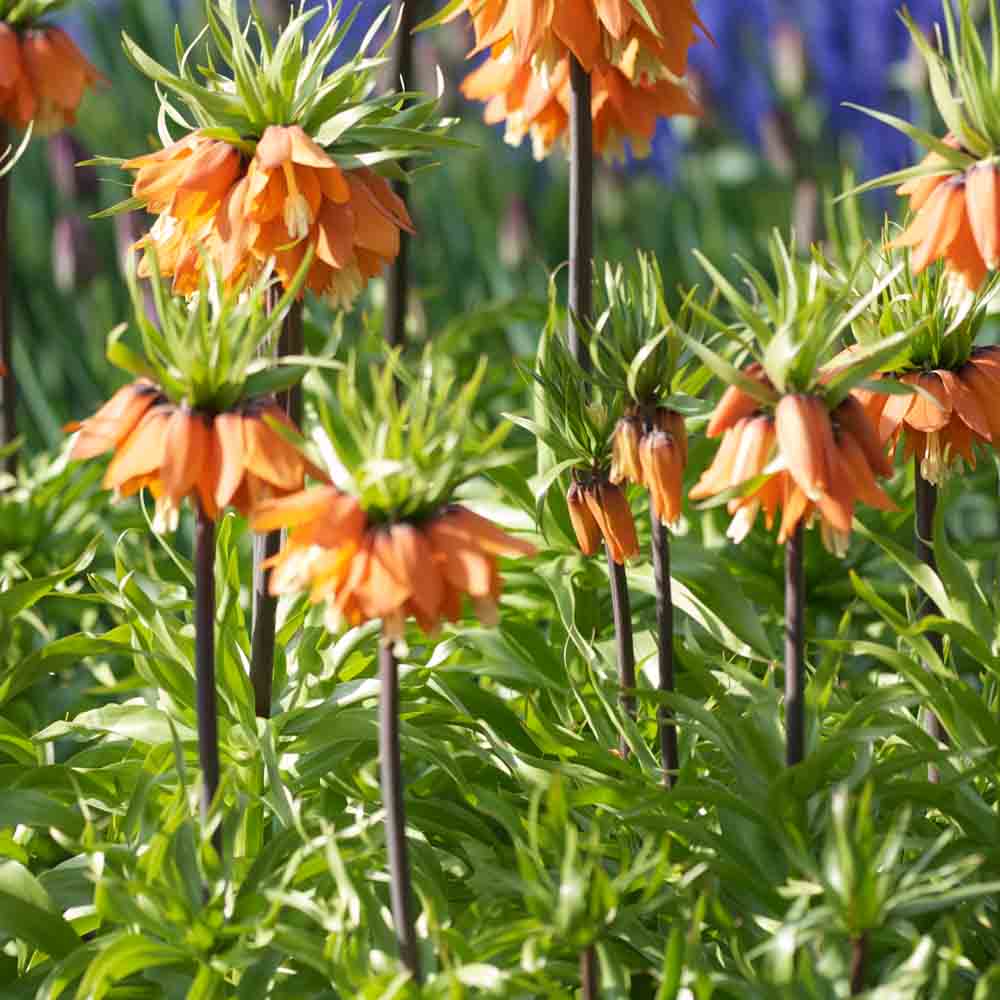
(673,424)
(663,474)
(625,451)
(588,534)
(610,508)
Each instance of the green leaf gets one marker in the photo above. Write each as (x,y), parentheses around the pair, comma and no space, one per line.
(27,913)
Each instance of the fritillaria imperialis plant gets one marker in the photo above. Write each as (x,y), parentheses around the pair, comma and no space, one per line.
(938,397)
(634,54)
(637,356)
(574,425)
(43,75)
(954,194)
(200,423)
(392,542)
(794,438)
(277,160)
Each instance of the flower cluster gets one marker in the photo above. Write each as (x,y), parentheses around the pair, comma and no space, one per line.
(953,192)
(231,459)
(286,201)
(200,421)
(950,412)
(537,107)
(636,61)
(43,77)
(795,436)
(281,165)
(803,459)
(652,453)
(957,218)
(395,570)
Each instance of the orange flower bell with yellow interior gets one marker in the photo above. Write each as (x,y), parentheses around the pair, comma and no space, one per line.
(530,105)
(393,571)
(636,73)
(218,460)
(288,171)
(817,463)
(43,77)
(952,412)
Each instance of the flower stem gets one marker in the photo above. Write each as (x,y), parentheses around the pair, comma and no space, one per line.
(859,963)
(397,278)
(665,636)
(204,631)
(581,210)
(925,503)
(588,974)
(795,660)
(400,889)
(8,389)
(265,607)
(621,609)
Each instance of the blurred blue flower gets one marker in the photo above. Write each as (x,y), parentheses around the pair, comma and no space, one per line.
(855,47)
(853,51)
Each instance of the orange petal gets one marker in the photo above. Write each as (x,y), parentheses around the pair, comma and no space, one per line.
(923,414)
(965,403)
(229,433)
(852,417)
(184,453)
(982,195)
(141,453)
(588,534)
(805,438)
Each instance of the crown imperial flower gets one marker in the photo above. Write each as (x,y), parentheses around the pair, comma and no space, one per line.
(281,164)
(43,77)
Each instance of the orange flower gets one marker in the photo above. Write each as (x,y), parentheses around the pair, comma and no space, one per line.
(597,32)
(390,571)
(538,106)
(957,219)
(831,462)
(654,457)
(663,472)
(288,199)
(227,459)
(625,462)
(43,76)
(610,510)
(588,534)
(963,410)
(735,403)
(17,99)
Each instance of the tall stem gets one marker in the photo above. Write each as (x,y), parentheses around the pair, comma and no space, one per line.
(925,502)
(581,208)
(400,889)
(8,389)
(588,974)
(621,608)
(795,660)
(397,279)
(859,962)
(204,631)
(665,635)
(265,607)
